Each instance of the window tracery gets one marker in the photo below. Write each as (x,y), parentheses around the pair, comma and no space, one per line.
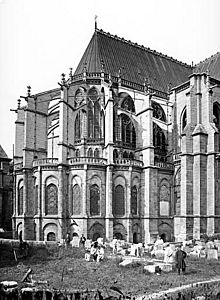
(158,111)
(159,140)
(128,134)
(51,200)
(128,104)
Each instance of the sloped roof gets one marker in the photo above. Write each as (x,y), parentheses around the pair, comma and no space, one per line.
(210,65)
(2,153)
(136,63)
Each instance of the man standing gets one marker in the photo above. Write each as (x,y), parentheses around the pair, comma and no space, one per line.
(180,260)
(82,240)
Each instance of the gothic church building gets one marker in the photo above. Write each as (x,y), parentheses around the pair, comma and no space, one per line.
(128,145)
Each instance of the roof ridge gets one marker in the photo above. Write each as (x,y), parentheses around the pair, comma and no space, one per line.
(208,58)
(142,47)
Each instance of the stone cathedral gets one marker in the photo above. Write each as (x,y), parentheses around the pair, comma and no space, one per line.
(128,145)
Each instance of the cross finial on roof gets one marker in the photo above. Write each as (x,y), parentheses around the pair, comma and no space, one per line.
(28,90)
(96,21)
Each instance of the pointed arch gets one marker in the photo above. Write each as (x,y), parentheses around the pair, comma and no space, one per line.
(127,102)
(158,111)
(183,119)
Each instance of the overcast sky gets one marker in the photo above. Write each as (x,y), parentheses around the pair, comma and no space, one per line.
(40,39)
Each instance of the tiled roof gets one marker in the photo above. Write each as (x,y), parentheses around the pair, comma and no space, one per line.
(136,63)
(210,65)
(2,153)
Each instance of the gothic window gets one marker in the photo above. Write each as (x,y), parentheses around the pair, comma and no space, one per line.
(159,140)
(216,120)
(94,200)
(77,127)
(184,119)
(125,154)
(90,152)
(51,200)
(76,200)
(115,154)
(95,116)
(96,153)
(128,134)
(35,199)
(177,186)
(118,205)
(79,97)
(51,237)
(53,136)
(20,200)
(164,200)
(128,104)
(158,112)
(90,119)
(134,200)
(131,156)
(77,153)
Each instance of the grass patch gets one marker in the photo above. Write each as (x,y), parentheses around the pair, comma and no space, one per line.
(67,269)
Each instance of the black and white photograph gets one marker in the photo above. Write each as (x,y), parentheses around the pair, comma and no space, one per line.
(109,149)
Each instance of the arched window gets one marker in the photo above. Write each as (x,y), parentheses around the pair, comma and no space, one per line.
(95,116)
(177,196)
(96,153)
(115,154)
(184,119)
(90,152)
(118,205)
(159,139)
(35,199)
(77,127)
(158,111)
(128,104)
(134,200)
(128,134)
(94,200)
(76,200)
(20,200)
(131,156)
(51,200)
(77,153)
(51,236)
(79,97)
(164,199)
(125,154)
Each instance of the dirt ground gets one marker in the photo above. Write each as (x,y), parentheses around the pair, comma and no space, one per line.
(67,269)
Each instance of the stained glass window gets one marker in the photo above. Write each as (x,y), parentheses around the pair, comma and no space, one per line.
(51,200)
(134,200)
(20,201)
(118,205)
(77,199)
(94,200)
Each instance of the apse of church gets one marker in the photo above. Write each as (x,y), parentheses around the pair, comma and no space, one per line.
(118,150)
